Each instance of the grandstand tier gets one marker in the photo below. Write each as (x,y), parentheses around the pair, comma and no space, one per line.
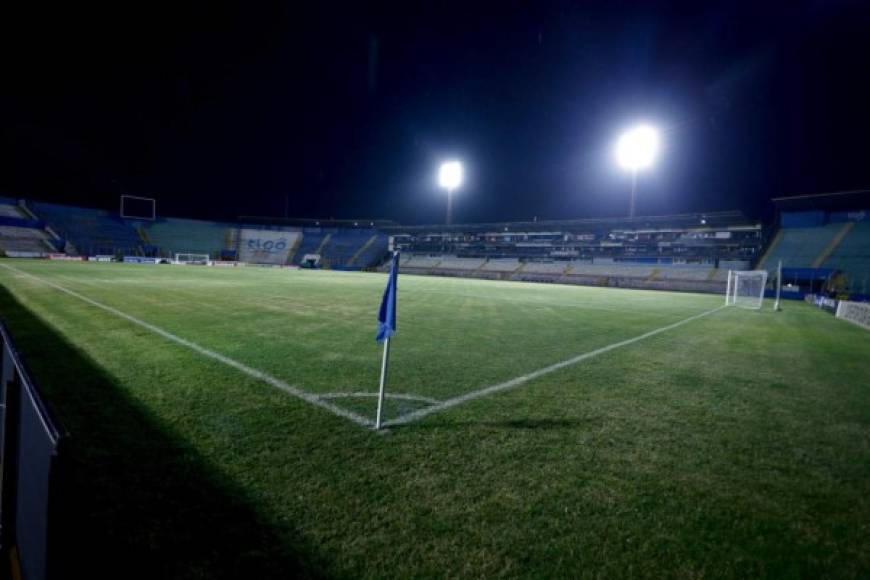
(817,247)
(90,231)
(684,252)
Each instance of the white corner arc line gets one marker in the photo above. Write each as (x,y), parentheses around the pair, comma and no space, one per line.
(251,372)
(521,380)
(367,394)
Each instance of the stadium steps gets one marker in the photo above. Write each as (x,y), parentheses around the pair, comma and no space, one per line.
(654,275)
(291,255)
(22,206)
(833,244)
(362,249)
(770,248)
(712,275)
(143,235)
(323,244)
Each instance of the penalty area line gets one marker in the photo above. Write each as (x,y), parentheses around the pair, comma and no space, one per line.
(521,380)
(251,372)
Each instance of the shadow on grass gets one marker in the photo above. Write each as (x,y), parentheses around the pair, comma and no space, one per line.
(136,501)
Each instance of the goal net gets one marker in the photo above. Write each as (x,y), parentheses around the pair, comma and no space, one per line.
(746,288)
(192,259)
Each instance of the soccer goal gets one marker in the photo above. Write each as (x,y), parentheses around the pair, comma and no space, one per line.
(745,288)
(192,259)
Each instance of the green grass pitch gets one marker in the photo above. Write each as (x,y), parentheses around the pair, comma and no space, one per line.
(735,444)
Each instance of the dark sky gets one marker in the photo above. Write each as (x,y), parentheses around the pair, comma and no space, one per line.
(223,109)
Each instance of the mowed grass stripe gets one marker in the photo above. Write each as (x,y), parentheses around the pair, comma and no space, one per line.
(315,329)
(259,375)
(522,380)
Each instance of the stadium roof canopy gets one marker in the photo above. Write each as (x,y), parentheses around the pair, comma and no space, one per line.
(316,223)
(839,200)
(692,220)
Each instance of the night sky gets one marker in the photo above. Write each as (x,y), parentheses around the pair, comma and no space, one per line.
(345,110)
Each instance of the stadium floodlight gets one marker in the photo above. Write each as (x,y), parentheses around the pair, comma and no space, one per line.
(450,177)
(637,149)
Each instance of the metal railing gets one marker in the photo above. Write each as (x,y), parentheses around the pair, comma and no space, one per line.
(29,439)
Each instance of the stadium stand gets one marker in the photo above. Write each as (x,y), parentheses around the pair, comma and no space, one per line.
(824,242)
(681,252)
(344,246)
(30,240)
(799,247)
(557,268)
(23,235)
(312,239)
(372,252)
(90,231)
(852,257)
(10,209)
(176,235)
(456,263)
(501,265)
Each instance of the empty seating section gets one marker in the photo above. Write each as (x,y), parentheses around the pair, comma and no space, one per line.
(556,268)
(798,247)
(611,270)
(174,235)
(454,263)
(682,273)
(17,239)
(603,269)
(343,245)
(852,256)
(91,231)
(502,265)
(11,210)
(415,261)
(311,240)
(372,254)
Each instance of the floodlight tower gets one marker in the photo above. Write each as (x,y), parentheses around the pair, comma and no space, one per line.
(450,177)
(635,150)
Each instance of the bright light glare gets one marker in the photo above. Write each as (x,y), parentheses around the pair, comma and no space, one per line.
(450,175)
(637,148)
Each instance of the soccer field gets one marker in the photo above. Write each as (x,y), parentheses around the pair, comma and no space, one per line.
(220,426)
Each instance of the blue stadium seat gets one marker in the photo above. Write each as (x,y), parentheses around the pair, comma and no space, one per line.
(91,231)
(175,235)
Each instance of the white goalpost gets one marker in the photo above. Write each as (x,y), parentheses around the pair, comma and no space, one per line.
(192,259)
(745,288)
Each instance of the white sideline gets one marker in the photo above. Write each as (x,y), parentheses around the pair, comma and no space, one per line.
(266,378)
(521,380)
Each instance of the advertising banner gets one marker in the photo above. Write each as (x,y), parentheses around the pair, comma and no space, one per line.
(266,246)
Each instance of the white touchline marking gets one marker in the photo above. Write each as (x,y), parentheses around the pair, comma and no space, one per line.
(266,378)
(521,380)
(365,394)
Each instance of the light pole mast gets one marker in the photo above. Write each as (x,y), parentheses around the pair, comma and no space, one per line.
(635,150)
(450,177)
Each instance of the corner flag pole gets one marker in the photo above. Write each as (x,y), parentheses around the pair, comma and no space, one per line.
(384,365)
(386,329)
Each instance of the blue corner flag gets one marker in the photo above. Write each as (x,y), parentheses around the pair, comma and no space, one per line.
(387,313)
